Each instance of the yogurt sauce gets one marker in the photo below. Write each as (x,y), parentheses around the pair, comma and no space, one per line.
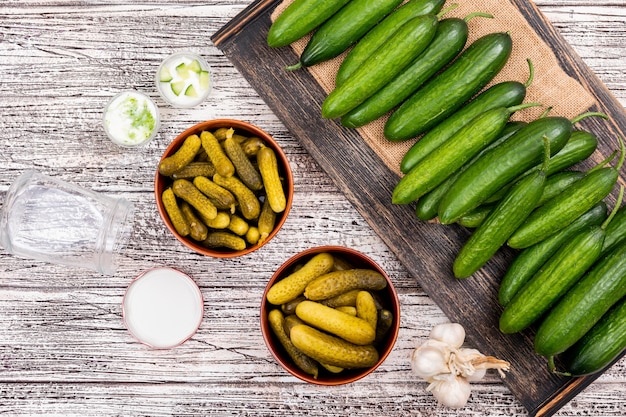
(131,119)
(163,308)
(184,79)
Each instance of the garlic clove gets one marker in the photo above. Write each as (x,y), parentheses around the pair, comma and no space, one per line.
(429,360)
(451,333)
(451,391)
(475,375)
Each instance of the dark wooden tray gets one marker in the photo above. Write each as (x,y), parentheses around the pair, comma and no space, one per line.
(426,249)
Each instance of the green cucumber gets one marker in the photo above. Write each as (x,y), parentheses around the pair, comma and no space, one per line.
(561,210)
(599,346)
(343,29)
(555,184)
(530,260)
(501,165)
(453,154)
(616,231)
(583,306)
(449,40)
(450,89)
(300,18)
(474,218)
(578,148)
(508,214)
(426,208)
(555,277)
(376,37)
(504,94)
(397,52)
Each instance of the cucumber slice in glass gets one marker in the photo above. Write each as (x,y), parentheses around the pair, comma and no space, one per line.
(191,91)
(204,80)
(183,70)
(178,86)
(165,76)
(194,66)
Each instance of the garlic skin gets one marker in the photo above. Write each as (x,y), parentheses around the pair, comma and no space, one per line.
(452,334)
(448,367)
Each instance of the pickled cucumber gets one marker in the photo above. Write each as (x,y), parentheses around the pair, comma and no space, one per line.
(252,145)
(291,320)
(294,284)
(174,213)
(221,133)
(188,192)
(266,222)
(351,310)
(252,235)
(338,282)
(268,166)
(385,321)
(223,239)
(219,196)
(216,153)
(308,365)
(341,264)
(332,350)
(246,172)
(290,306)
(366,309)
(195,169)
(184,155)
(331,320)
(197,229)
(237,225)
(347,298)
(221,221)
(249,204)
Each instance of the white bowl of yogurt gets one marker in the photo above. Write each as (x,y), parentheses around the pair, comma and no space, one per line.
(184,79)
(162,308)
(131,119)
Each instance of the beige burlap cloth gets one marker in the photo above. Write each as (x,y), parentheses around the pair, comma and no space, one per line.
(551,85)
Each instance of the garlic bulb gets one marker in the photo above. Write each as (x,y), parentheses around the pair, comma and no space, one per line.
(448,367)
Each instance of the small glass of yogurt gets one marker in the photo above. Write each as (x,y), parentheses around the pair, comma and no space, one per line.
(184,79)
(131,119)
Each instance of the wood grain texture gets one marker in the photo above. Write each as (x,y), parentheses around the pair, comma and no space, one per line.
(64,350)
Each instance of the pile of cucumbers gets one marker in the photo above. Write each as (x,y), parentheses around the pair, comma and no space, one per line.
(513,183)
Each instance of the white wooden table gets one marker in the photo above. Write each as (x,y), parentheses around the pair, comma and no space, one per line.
(63,346)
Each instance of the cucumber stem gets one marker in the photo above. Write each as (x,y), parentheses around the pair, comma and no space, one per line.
(477,14)
(513,109)
(603,163)
(618,203)
(531,74)
(552,368)
(446,10)
(545,113)
(622,153)
(588,114)
(293,67)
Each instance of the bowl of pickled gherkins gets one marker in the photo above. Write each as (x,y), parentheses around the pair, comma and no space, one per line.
(330,315)
(224,188)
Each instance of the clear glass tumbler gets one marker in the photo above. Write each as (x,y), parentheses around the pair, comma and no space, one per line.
(50,220)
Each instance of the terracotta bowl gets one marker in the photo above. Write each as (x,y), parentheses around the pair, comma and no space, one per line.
(387,297)
(161,182)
